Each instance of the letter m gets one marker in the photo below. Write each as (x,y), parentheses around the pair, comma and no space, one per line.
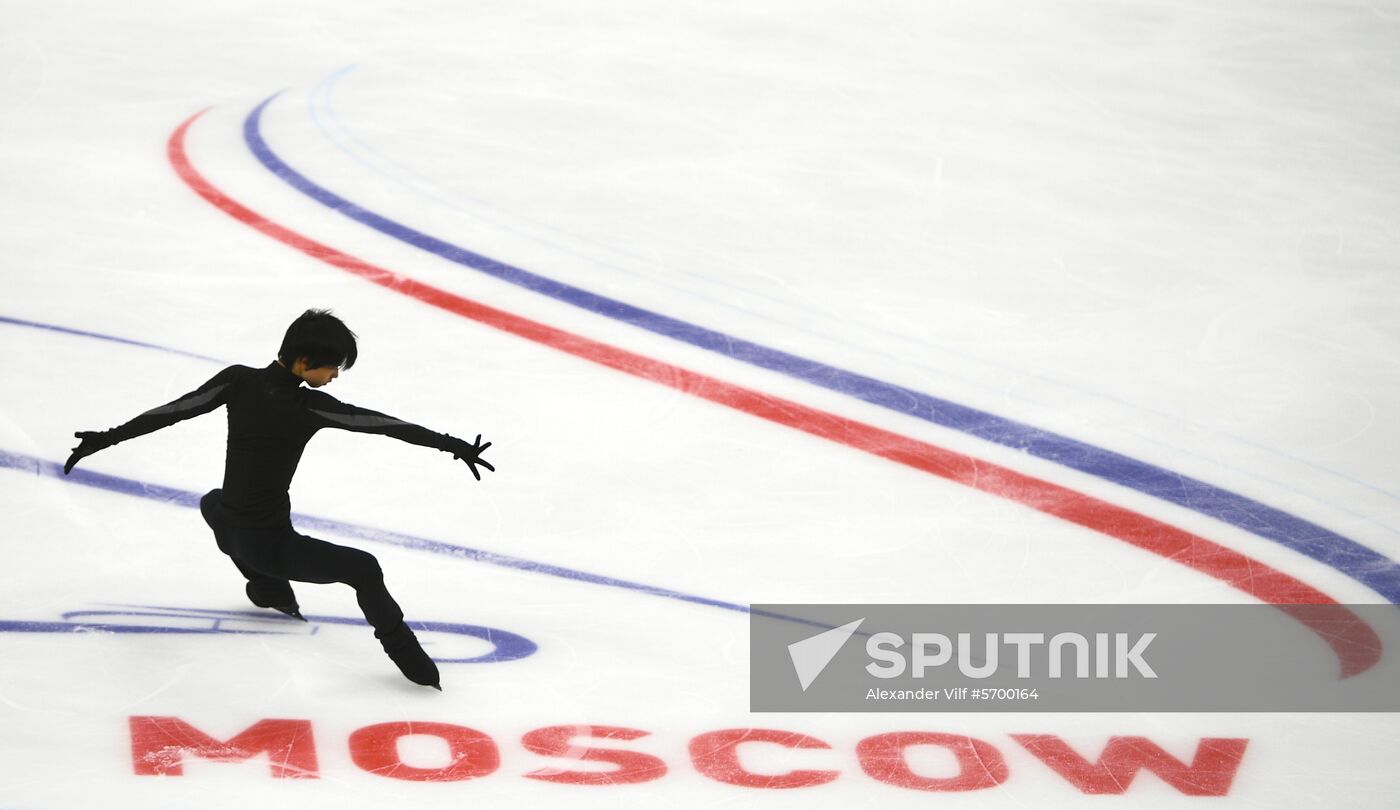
(1211,772)
(159,744)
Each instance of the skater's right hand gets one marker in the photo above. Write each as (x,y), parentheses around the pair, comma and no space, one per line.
(471,453)
(89,443)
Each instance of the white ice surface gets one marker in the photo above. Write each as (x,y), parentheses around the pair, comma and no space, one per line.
(1166,229)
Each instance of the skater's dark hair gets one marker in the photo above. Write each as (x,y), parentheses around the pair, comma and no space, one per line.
(322,338)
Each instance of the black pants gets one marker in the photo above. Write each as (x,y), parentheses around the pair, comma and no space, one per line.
(268,558)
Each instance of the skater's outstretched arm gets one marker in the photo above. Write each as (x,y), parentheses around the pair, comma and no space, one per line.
(202,400)
(325,410)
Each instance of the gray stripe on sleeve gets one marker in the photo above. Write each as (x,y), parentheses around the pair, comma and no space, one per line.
(359,420)
(188,403)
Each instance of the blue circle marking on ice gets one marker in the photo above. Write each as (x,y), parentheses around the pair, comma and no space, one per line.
(505,646)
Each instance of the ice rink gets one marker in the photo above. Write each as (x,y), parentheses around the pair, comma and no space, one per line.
(762,302)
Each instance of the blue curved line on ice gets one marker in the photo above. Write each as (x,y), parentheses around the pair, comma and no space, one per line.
(190,500)
(339,134)
(112,338)
(1363,564)
(178,497)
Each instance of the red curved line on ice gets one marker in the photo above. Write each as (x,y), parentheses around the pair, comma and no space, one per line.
(1355,642)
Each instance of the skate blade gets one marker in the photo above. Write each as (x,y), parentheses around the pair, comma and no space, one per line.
(294,612)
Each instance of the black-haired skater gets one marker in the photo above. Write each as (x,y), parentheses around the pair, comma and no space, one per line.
(271,417)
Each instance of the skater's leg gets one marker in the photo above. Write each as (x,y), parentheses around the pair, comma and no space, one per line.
(262,590)
(307,559)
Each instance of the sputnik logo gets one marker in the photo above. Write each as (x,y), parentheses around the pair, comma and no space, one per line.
(811,655)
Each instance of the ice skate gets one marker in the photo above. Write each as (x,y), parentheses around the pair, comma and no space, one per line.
(262,600)
(290,610)
(407,654)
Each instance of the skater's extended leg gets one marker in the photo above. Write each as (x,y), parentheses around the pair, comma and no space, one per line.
(307,559)
(262,590)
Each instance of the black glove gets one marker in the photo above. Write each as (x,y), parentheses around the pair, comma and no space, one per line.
(90,443)
(471,453)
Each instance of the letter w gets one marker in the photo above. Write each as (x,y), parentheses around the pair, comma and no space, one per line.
(158,746)
(1210,773)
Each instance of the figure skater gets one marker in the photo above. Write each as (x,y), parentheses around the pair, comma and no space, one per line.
(271,417)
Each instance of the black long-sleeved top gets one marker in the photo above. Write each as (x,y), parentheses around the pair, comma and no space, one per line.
(270,420)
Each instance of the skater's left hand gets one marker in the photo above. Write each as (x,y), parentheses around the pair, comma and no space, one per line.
(90,442)
(471,453)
